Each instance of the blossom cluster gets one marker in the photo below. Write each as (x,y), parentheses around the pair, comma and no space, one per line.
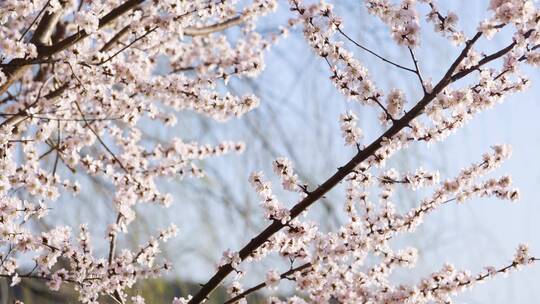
(284,169)
(354,263)
(96,74)
(78,84)
(273,209)
(402,19)
(320,25)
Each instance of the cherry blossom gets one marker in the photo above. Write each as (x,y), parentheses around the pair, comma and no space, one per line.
(80,80)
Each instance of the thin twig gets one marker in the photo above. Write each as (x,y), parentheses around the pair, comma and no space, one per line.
(417,70)
(375,54)
(127,46)
(251,290)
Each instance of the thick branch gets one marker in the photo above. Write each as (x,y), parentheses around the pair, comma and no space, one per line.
(47,24)
(19,67)
(342,172)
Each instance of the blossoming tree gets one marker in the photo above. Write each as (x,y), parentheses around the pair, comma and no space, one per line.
(79,79)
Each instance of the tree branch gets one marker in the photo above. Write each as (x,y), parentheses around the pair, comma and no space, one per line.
(417,69)
(342,172)
(20,67)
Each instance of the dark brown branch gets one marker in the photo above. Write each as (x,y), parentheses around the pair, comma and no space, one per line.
(417,70)
(17,64)
(17,67)
(112,250)
(58,141)
(388,115)
(46,26)
(375,54)
(41,37)
(342,172)
(484,61)
(14,73)
(129,45)
(107,46)
(112,243)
